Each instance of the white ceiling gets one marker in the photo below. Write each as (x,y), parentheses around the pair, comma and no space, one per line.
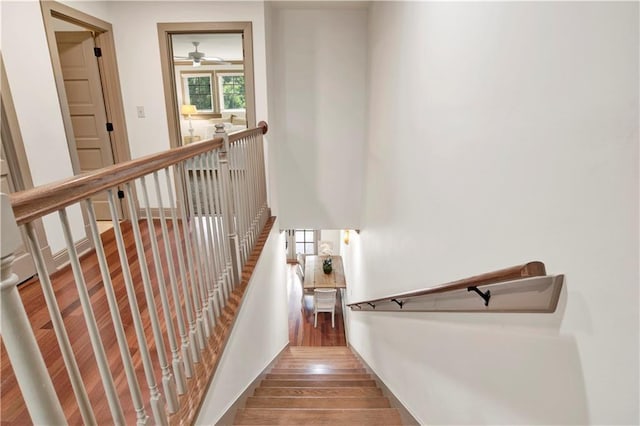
(225,46)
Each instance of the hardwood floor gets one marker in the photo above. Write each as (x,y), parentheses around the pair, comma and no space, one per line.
(301,330)
(12,408)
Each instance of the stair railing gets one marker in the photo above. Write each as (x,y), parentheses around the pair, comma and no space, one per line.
(204,243)
(522,288)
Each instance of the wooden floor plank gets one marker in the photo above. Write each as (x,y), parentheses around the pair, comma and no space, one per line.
(301,329)
(12,407)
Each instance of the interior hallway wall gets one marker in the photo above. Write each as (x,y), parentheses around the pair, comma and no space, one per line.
(317,97)
(37,105)
(259,334)
(515,138)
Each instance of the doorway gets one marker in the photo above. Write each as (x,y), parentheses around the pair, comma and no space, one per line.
(207,71)
(85,69)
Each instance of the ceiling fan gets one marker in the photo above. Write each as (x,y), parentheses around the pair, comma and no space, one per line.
(197,57)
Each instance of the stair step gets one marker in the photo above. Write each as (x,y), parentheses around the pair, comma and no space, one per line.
(279,416)
(316,383)
(319,361)
(272,376)
(310,357)
(319,391)
(319,349)
(317,402)
(319,365)
(314,370)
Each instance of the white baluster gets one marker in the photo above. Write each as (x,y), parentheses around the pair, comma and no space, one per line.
(220,230)
(206,198)
(189,345)
(58,325)
(227,212)
(121,337)
(156,400)
(225,281)
(22,348)
(205,249)
(168,384)
(194,273)
(90,321)
(176,361)
(262,173)
(249,188)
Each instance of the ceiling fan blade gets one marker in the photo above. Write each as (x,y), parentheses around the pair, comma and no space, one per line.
(217,60)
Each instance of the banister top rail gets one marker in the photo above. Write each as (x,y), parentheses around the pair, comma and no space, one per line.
(262,126)
(529,269)
(37,202)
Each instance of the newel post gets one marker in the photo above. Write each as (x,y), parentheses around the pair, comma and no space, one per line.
(19,340)
(228,216)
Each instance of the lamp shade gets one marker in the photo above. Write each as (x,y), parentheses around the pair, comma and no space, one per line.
(188,109)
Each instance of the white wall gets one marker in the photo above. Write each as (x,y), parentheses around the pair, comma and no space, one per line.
(515,138)
(137,49)
(332,236)
(259,334)
(35,98)
(318,112)
(136,36)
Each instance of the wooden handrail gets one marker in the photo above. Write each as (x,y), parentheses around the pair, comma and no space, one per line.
(262,126)
(37,202)
(530,269)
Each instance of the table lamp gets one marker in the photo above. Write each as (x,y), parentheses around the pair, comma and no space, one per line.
(188,110)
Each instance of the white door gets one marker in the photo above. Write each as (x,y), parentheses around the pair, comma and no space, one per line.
(83,88)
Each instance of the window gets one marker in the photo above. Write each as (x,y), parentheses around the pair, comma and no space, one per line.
(198,91)
(306,241)
(232,93)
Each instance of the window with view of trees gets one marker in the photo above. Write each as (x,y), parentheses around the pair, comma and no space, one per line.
(200,92)
(232,91)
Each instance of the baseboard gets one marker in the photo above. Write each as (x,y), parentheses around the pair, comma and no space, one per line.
(406,417)
(61,258)
(229,416)
(155,213)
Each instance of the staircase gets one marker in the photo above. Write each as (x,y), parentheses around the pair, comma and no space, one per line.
(320,386)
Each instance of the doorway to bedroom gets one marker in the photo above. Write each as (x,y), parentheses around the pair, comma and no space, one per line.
(207,70)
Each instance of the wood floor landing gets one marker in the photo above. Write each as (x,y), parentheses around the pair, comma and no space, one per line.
(319,390)
(301,330)
(12,408)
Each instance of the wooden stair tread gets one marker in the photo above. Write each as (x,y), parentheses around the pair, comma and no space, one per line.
(319,391)
(318,386)
(318,383)
(317,402)
(316,357)
(327,363)
(290,376)
(316,349)
(279,416)
(314,370)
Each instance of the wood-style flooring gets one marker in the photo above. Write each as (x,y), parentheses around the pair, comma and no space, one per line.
(12,407)
(301,330)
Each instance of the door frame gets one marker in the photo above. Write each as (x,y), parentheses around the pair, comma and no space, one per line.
(16,158)
(109,79)
(166,30)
